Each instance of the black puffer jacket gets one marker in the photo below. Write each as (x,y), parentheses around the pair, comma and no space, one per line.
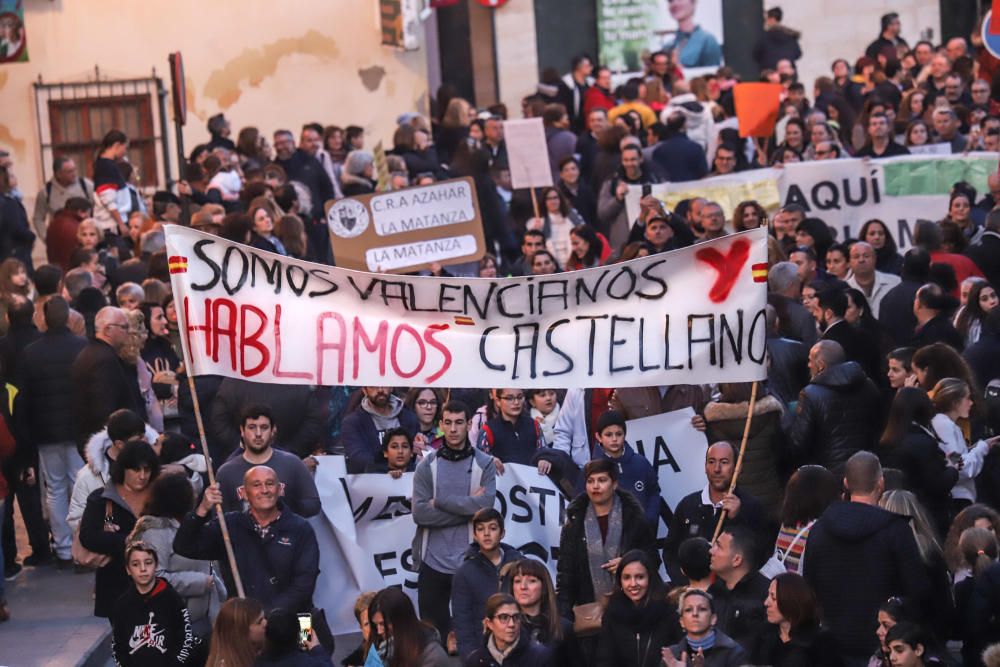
(839,413)
(573,576)
(45,402)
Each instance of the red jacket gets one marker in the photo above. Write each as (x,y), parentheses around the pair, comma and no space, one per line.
(60,237)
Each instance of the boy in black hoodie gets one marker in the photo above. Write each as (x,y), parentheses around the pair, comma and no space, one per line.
(150,624)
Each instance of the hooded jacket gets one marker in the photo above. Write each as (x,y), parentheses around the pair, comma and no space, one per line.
(839,413)
(637,476)
(725,653)
(189,577)
(106,507)
(152,629)
(474,582)
(573,583)
(699,126)
(361,432)
(859,557)
(96,473)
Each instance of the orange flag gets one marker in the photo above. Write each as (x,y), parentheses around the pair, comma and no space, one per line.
(757,108)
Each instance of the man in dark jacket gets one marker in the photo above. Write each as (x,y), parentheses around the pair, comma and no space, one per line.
(739,589)
(896,310)
(986,251)
(784,290)
(697,514)
(839,411)
(983,356)
(833,302)
(678,156)
(581,558)
(101,384)
(779,42)
(478,578)
(859,556)
(45,411)
(788,373)
(931,307)
(363,429)
(21,334)
(276,550)
(302,167)
(299,414)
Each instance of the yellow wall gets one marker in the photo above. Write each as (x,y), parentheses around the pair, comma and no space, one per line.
(272,64)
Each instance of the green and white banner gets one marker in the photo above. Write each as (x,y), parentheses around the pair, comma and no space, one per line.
(846,193)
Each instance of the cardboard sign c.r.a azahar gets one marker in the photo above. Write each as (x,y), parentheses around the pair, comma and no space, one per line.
(407,230)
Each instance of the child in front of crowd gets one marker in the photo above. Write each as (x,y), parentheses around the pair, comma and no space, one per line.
(545,411)
(635,472)
(478,578)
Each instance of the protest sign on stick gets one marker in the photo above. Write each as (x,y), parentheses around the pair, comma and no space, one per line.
(528,156)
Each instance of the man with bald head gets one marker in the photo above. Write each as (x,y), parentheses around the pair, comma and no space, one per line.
(838,412)
(873,284)
(859,556)
(697,514)
(276,550)
(101,381)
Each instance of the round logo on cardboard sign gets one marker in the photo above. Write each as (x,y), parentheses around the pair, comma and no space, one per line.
(348,218)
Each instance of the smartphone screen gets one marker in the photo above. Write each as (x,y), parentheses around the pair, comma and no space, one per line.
(305,628)
(647,190)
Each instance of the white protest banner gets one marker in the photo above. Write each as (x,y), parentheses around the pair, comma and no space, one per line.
(677,451)
(691,315)
(942,148)
(409,229)
(845,194)
(527,153)
(366,528)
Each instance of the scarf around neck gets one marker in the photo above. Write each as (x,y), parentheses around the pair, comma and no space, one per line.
(449,454)
(703,644)
(600,551)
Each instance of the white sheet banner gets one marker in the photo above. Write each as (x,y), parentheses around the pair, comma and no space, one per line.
(691,315)
(366,528)
(900,191)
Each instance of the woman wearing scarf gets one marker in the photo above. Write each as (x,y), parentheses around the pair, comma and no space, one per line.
(602,524)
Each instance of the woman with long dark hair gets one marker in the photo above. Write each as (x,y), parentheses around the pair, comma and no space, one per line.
(887,258)
(910,444)
(794,637)
(981,300)
(813,233)
(577,191)
(589,248)
(639,620)
(407,641)
(556,223)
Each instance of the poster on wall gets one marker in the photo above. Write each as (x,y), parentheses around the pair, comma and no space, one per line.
(628,31)
(13,41)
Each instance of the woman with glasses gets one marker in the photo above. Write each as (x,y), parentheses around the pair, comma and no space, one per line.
(426,403)
(638,621)
(504,643)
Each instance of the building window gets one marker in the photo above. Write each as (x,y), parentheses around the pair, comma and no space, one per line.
(78,125)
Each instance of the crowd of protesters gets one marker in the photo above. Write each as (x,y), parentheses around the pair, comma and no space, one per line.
(862,530)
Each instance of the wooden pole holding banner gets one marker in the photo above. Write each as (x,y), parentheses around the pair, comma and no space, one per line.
(739,459)
(211,480)
(534,202)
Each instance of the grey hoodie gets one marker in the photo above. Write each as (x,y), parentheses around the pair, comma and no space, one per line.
(384,422)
